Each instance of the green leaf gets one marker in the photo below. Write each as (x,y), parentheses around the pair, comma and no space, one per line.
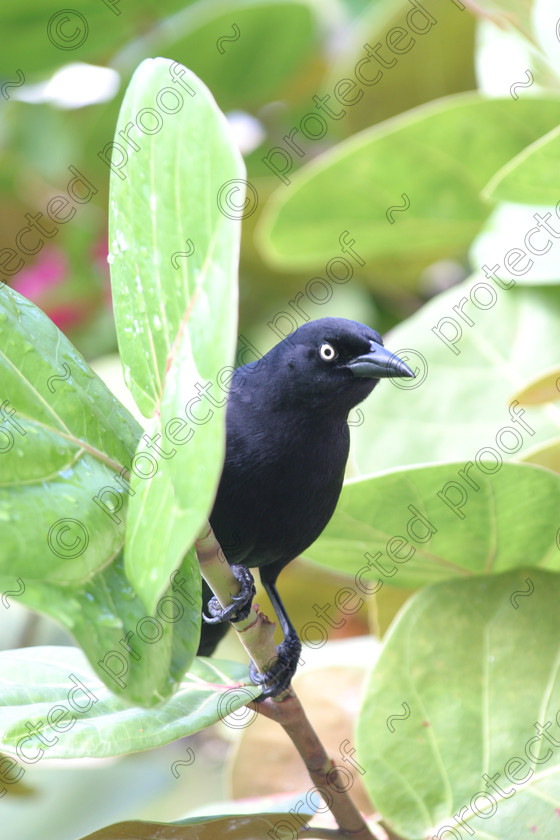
(421,525)
(41,678)
(140,657)
(64,436)
(531,177)
(70,538)
(53,384)
(235,827)
(449,35)
(438,156)
(220,40)
(174,254)
(44,36)
(468,672)
(461,398)
(163,205)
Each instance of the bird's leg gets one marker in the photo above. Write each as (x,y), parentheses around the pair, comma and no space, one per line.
(242,603)
(279,676)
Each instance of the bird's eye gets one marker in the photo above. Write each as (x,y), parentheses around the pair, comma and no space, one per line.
(327,352)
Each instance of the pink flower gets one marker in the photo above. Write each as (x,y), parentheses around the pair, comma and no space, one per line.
(48,271)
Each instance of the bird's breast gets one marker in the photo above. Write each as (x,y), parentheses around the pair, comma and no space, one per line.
(279,488)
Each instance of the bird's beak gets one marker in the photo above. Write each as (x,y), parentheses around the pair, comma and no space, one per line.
(378,363)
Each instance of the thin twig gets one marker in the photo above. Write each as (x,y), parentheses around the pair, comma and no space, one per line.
(324,775)
(257,636)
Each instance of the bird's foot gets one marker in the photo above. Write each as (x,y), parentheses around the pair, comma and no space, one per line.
(279,676)
(242,603)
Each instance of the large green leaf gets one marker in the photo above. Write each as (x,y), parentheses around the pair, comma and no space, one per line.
(444,49)
(449,728)
(48,381)
(462,397)
(174,239)
(140,657)
(438,156)
(417,526)
(41,678)
(64,438)
(220,41)
(63,509)
(43,36)
(531,177)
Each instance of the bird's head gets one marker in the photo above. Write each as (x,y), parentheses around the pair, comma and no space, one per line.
(331,362)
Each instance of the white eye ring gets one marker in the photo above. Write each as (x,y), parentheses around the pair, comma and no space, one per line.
(327,352)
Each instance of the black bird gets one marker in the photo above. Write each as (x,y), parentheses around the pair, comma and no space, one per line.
(286,450)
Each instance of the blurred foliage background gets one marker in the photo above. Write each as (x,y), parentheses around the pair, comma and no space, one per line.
(270,65)
(285,53)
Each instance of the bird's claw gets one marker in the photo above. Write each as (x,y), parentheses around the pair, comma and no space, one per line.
(241,603)
(279,676)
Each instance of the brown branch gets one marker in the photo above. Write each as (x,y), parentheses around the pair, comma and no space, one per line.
(291,716)
(256,632)
(257,637)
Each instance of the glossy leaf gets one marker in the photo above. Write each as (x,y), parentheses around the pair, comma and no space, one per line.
(140,657)
(71,537)
(461,399)
(65,444)
(52,383)
(438,156)
(39,679)
(64,436)
(531,177)
(417,526)
(450,720)
(174,253)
